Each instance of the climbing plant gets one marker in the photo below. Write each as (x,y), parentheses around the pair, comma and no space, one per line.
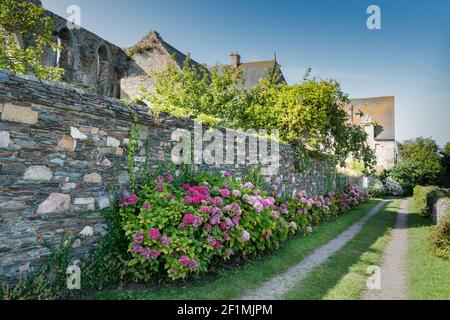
(27,21)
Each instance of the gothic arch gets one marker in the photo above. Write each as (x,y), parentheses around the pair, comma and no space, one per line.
(103,69)
(65,55)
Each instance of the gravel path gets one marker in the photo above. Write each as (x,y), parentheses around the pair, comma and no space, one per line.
(275,288)
(393,270)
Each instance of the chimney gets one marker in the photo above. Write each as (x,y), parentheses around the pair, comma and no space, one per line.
(235,59)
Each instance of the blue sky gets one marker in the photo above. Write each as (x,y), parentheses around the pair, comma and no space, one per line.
(409,58)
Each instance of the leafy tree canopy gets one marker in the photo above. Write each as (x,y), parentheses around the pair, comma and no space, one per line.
(25,20)
(310,115)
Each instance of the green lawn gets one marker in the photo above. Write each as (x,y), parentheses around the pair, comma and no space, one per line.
(429,276)
(232,283)
(344,275)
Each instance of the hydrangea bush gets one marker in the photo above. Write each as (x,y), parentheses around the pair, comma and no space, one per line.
(184,230)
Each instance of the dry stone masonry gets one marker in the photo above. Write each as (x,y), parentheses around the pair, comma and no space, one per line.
(63,158)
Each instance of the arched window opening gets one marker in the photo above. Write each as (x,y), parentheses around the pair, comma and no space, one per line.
(103,70)
(65,53)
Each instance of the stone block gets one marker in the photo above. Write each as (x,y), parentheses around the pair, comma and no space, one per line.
(93,178)
(38,173)
(5,139)
(83,201)
(103,202)
(67,144)
(76,134)
(18,114)
(112,142)
(55,203)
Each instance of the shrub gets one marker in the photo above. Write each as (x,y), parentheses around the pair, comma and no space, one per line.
(408,174)
(181,231)
(393,188)
(425,197)
(440,238)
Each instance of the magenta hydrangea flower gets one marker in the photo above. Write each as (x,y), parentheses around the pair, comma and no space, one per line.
(186,186)
(188,262)
(136,249)
(225,193)
(208,227)
(191,220)
(267,234)
(245,236)
(154,234)
(169,178)
(160,187)
(235,220)
(148,254)
(139,238)
(184,261)
(131,200)
(147,207)
(269,202)
(205,209)
(228,174)
(217,245)
(218,201)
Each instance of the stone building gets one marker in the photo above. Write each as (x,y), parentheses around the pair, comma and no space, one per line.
(378,114)
(151,53)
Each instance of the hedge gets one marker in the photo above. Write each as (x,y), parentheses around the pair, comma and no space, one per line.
(440,238)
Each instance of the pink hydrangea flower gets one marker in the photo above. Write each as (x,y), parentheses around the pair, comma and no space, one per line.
(237,193)
(147,207)
(293,225)
(131,200)
(245,236)
(225,193)
(148,254)
(258,207)
(165,241)
(228,174)
(268,202)
(205,209)
(139,238)
(218,201)
(154,234)
(267,234)
(159,187)
(235,220)
(169,178)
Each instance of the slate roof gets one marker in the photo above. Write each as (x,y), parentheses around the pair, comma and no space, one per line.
(153,38)
(378,109)
(254,71)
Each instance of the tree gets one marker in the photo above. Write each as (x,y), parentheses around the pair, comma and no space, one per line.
(446,158)
(426,152)
(420,164)
(28,21)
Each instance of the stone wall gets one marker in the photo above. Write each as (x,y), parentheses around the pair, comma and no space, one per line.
(62,157)
(440,209)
